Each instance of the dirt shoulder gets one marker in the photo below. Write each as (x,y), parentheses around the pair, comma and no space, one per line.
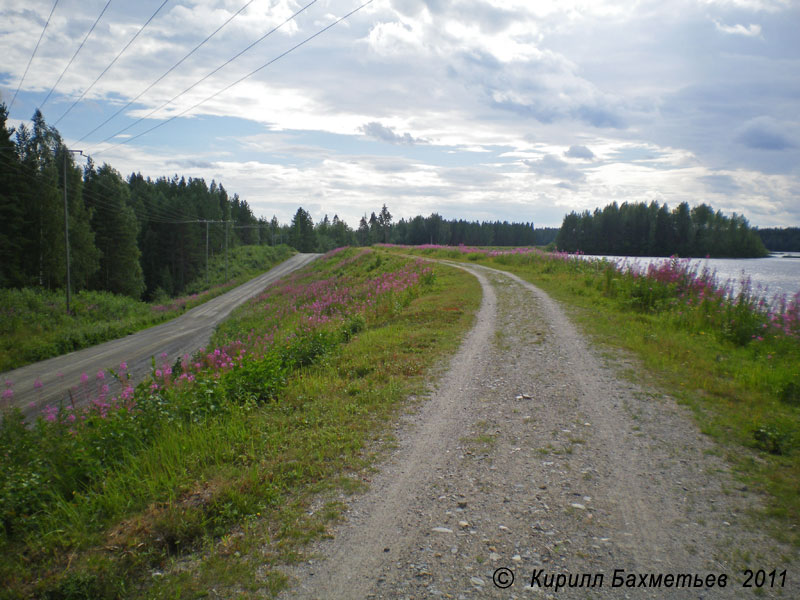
(533,454)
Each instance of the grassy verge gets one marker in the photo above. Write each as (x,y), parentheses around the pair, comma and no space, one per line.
(34,324)
(732,358)
(204,477)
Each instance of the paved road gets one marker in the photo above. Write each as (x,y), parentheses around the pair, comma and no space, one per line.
(183,335)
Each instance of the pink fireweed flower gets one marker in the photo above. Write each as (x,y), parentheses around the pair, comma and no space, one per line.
(84,378)
(101,375)
(123,366)
(8,394)
(50,413)
(37,384)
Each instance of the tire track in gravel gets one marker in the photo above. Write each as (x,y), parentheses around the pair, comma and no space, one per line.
(532,454)
(385,517)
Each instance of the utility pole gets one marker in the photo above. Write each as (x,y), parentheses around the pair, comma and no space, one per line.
(226,243)
(66,225)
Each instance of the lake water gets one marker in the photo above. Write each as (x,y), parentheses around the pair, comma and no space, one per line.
(778,273)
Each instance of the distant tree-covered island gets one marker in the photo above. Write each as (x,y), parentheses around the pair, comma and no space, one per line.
(641,229)
(781,239)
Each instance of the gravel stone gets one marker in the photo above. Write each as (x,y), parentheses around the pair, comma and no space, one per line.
(527,427)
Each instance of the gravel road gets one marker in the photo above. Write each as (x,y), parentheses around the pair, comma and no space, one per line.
(183,335)
(534,454)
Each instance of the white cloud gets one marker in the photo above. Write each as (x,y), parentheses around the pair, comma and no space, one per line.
(765,133)
(488,109)
(753,5)
(749,31)
(383,133)
(578,151)
(553,167)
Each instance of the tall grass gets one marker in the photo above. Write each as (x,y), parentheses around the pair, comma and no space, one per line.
(34,324)
(231,439)
(729,353)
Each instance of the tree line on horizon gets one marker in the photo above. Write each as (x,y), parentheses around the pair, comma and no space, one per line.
(641,229)
(139,237)
(148,238)
(781,239)
(380,228)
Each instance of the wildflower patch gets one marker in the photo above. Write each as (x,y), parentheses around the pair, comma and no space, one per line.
(100,456)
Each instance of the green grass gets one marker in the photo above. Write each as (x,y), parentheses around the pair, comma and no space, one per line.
(211,483)
(744,392)
(34,324)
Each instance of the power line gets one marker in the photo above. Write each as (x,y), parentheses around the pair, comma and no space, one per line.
(52,10)
(157,214)
(168,71)
(153,214)
(102,12)
(250,74)
(112,62)
(196,83)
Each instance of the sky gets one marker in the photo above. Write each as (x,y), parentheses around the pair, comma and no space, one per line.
(475,109)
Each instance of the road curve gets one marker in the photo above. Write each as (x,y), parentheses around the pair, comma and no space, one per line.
(179,336)
(538,469)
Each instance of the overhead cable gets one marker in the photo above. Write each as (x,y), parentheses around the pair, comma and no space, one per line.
(168,71)
(111,64)
(196,83)
(102,12)
(229,86)
(155,214)
(33,54)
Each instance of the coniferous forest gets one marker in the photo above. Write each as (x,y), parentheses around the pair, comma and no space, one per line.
(781,239)
(641,229)
(148,238)
(137,237)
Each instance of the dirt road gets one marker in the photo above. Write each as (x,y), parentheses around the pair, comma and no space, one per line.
(536,456)
(183,335)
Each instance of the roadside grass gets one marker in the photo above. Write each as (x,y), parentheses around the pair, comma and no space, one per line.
(206,478)
(34,325)
(733,360)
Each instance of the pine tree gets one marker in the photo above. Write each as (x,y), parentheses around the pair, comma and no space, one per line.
(116,230)
(302,235)
(363,232)
(44,156)
(385,223)
(12,214)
